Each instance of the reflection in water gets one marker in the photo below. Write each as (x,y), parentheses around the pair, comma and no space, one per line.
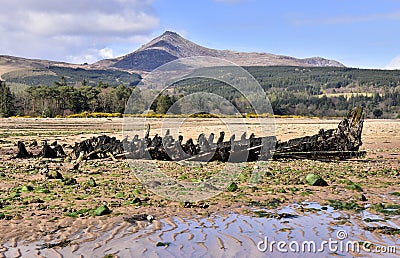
(233,235)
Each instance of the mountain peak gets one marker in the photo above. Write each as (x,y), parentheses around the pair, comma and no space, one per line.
(161,50)
(170,46)
(170,33)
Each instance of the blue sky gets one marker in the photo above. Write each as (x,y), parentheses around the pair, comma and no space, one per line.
(357,33)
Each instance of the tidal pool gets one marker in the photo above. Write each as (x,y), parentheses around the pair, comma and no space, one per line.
(293,231)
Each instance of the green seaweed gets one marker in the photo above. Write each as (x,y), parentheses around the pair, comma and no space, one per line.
(339,205)
(389,209)
(232,187)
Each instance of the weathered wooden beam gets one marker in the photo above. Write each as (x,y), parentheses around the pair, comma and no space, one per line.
(22,152)
(319,155)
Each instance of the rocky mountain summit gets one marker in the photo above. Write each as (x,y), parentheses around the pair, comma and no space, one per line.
(171,46)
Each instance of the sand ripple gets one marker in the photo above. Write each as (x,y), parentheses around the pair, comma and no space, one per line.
(232,235)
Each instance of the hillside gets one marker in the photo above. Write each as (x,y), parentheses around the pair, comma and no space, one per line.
(73,76)
(12,63)
(312,91)
(171,46)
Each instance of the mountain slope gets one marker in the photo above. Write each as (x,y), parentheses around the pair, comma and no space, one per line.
(163,49)
(171,46)
(11,63)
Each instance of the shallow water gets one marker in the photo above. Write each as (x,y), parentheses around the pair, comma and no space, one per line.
(235,235)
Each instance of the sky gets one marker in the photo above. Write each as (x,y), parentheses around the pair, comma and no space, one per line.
(358,33)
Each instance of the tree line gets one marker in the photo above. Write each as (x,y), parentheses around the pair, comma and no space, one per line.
(306,99)
(62,99)
(7,101)
(290,90)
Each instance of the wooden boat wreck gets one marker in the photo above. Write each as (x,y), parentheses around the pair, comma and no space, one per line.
(334,144)
(341,143)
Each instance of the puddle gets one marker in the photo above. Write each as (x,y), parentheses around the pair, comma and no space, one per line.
(236,235)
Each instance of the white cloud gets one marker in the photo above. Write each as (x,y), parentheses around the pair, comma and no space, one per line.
(84,58)
(106,53)
(73,29)
(394,64)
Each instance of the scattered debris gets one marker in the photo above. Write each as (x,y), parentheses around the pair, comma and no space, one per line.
(139,217)
(51,152)
(166,244)
(198,204)
(22,152)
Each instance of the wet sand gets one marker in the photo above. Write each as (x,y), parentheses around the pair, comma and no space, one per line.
(230,235)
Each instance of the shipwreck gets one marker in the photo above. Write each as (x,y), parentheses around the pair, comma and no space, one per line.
(334,144)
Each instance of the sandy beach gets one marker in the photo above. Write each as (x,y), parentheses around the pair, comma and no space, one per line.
(43,217)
